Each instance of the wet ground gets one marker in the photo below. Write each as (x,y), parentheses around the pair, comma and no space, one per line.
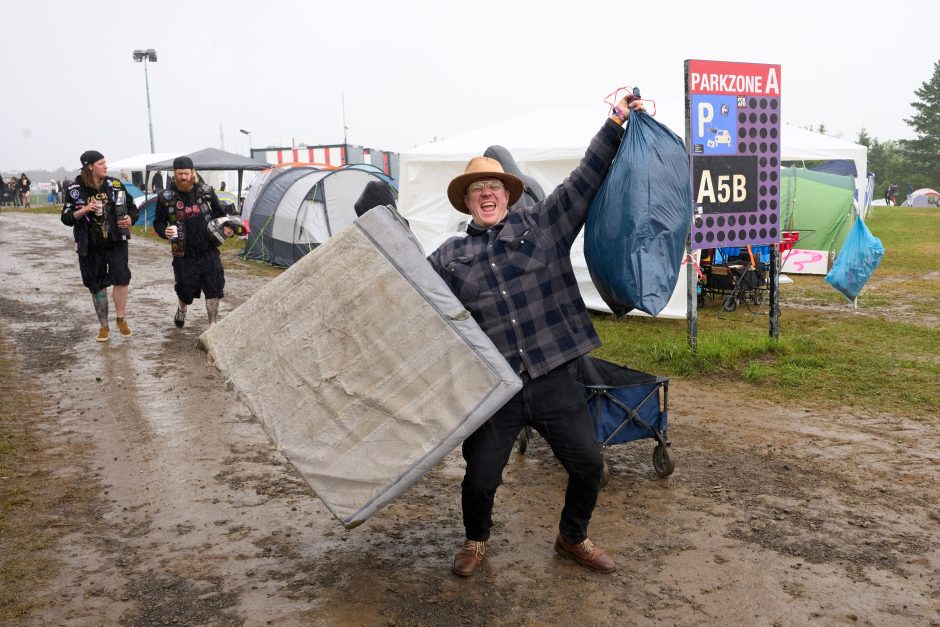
(160,501)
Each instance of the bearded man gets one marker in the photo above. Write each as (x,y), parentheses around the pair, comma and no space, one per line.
(183,212)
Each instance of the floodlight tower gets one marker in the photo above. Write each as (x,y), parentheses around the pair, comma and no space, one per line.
(147,55)
(248,133)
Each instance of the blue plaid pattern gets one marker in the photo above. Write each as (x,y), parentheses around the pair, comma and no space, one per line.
(516,278)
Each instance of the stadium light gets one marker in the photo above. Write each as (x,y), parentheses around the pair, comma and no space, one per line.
(248,133)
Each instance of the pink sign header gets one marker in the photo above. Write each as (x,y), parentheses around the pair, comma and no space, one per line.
(734,79)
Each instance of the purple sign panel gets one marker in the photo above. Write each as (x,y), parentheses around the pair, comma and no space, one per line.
(733,119)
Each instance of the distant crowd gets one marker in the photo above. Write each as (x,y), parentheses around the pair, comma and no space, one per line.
(15,191)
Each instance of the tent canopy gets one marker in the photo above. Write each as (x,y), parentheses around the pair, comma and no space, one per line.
(214,159)
(547,145)
(818,205)
(798,144)
(843,167)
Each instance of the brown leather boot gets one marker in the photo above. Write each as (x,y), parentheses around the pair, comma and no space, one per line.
(469,559)
(586,554)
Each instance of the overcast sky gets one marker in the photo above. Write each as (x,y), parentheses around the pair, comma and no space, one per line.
(411,71)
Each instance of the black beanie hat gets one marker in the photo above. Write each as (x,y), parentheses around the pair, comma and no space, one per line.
(91,156)
(182,163)
(376,193)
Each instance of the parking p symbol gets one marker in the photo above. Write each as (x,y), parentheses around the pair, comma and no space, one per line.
(706,113)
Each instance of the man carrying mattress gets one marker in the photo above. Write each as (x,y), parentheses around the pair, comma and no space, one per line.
(513,273)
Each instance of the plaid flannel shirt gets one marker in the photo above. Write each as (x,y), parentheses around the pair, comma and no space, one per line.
(516,278)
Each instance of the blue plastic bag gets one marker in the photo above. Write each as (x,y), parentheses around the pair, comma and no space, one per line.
(636,230)
(860,255)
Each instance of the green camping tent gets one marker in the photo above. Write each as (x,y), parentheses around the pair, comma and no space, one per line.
(818,205)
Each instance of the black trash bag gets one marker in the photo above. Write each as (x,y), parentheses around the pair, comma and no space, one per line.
(531,191)
(636,230)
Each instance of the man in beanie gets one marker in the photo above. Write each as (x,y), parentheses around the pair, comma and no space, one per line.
(377,194)
(513,273)
(101,212)
(182,215)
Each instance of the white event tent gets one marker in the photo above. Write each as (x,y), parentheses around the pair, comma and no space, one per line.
(123,168)
(547,145)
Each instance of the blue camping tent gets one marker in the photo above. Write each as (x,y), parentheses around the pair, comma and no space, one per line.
(146,205)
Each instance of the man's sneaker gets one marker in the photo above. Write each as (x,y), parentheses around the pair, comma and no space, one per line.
(123,328)
(103,334)
(585,553)
(469,559)
(180,318)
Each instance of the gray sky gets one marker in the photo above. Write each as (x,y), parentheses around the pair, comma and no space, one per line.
(415,70)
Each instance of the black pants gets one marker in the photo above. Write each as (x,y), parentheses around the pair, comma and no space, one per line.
(554,406)
(202,275)
(103,268)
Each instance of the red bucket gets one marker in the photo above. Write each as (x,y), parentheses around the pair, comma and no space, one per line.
(790,238)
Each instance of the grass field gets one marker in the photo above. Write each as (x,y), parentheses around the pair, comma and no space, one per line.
(885,355)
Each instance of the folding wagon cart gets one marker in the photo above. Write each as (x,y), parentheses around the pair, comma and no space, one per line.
(625,405)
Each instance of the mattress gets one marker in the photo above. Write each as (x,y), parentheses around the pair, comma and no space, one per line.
(362,366)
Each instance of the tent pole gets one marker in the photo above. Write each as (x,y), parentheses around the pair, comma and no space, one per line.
(773,288)
(238,199)
(146,187)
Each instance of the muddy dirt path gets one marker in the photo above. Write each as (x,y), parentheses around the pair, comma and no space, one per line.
(167,505)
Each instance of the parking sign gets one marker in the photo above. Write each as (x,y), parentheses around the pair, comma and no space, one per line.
(733,127)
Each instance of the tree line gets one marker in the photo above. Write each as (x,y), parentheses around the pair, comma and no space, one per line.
(910,163)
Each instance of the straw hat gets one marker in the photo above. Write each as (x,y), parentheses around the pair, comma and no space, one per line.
(482,168)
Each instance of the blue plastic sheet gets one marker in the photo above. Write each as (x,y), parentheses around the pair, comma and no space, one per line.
(636,230)
(860,255)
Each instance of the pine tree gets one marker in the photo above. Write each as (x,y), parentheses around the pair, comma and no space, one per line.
(864,138)
(923,153)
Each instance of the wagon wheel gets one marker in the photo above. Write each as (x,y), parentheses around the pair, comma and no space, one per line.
(731,303)
(663,463)
(522,442)
(758,297)
(605,477)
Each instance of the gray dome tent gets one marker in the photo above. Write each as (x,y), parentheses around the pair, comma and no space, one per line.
(300,208)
